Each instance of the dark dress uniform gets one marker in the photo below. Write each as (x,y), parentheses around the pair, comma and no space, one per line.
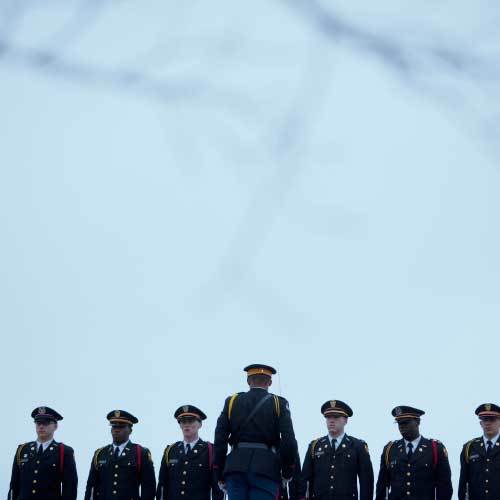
(480,468)
(188,476)
(425,476)
(333,474)
(44,475)
(291,490)
(50,475)
(130,476)
(263,447)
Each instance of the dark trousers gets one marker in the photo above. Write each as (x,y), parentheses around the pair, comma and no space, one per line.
(250,486)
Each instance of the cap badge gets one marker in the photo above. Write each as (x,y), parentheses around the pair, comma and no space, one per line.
(398,411)
(333,404)
(42,410)
(185,409)
(487,406)
(117,413)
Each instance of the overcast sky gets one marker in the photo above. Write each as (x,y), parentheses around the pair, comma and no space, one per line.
(187,188)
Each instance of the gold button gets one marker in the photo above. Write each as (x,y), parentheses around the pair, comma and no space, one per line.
(33,491)
(36,472)
(331,477)
(331,487)
(487,459)
(115,483)
(34,481)
(38,461)
(114,492)
(408,493)
(186,462)
(408,484)
(184,472)
(183,482)
(409,465)
(486,491)
(116,475)
(485,480)
(116,466)
(487,470)
(408,473)
(182,493)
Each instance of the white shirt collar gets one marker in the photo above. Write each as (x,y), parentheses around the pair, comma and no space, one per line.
(338,439)
(192,444)
(415,443)
(121,447)
(45,445)
(493,440)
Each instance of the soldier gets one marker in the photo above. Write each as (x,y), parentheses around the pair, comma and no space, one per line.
(119,469)
(480,458)
(258,426)
(44,469)
(186,470)
(334,463)
(413,467)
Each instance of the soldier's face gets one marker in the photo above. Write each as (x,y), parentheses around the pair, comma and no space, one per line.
(409,428)
(335,424)
(190,427)
(45,430)
(490,425)
(120,433)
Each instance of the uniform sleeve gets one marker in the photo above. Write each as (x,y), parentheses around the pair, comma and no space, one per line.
(444,488)
(92,480)
(162,489)
(148,478)
(365,472)
(222,432)
(295,485)
(306,476)
(383,481)
(14,480)
(288,443)
(69,476)
(463,482)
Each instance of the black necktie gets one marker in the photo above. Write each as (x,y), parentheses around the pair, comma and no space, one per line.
(188,448)
(333,445)
(410,450)
(117,453)
(489,446)
(40,450)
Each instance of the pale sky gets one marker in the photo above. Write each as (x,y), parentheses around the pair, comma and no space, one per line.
(289,197)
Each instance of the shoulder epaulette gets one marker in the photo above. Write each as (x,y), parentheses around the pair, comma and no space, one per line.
(388,448)
(18,453)
(277,406)
(96,456)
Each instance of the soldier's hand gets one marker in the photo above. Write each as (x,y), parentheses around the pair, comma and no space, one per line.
(222,486)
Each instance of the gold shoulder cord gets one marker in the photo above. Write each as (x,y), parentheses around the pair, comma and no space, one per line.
(167,451)
(313,446)
(96,456)
(231,403)
(18,453)
(467,448)
(277,405)
(387,453)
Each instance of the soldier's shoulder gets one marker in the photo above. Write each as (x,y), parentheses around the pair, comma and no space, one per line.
(472,442)
(234,395)
(392,443)
(438,442)
(356,441)
(318,440)
(67,448)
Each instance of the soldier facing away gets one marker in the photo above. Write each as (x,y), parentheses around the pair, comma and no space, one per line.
(122,470)
(186,470)
(334,463)
(258,426)
(44,469)
(480,458)
(414,468)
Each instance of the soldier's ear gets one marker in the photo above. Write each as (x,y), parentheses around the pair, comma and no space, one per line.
(270,382)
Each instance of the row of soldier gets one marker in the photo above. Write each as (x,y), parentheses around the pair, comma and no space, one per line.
(263,461)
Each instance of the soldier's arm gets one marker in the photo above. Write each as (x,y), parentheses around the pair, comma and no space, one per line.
(147,478)
(69,476)
(444,488)
(162,489)
(222,432)
(14,480)
(365,472)
(383,480)
(295,487)
(288,444)
(92,480)
(463,482)
(306,475)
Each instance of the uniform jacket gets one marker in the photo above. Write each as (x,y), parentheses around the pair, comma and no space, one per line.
(479,472)
(419,478)
(123,478)
(270,426)
(328,473)
(36,477)
(188,476)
